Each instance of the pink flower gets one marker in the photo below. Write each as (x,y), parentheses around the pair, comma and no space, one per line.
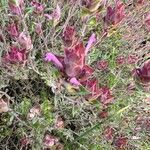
(25,41)
(16,7)
(15,55)
(38,7)
(69,36)
(106,96)
(132,59)
(59,124)
(90,43)
(147,21)
(49,141)
(120,60)
(75,82)
(102,64)
(115,15)
(52,58)
(13,30)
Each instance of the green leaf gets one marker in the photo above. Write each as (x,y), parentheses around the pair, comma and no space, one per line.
(25,106)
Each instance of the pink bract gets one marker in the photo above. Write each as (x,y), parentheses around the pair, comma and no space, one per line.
(115,15)
(38,7)
(106,96)
(143,73)
(147,21)
(69,36)
(25,41)
(15,55)
(13,30)
(16,7)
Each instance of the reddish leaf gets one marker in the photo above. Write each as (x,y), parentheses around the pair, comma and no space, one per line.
(38,7)
(106,96)
(87,71)
(132,59)
(121,142)
(103,114)
(69,35)
(74,60)
(25,41)
(93,87)
(13,30)
(115,15)
(16,7)
(144,72)
(102,64)
(15,55)
(108,133)
(147,21)
(120,60)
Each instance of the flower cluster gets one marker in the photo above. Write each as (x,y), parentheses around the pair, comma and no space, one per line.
(73,65)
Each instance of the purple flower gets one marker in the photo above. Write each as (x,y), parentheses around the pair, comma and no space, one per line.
(90,43)
(75,82)
(52,58)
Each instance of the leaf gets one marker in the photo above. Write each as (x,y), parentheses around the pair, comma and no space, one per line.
(29,10)
(95,5)
(122,110)
(25,106)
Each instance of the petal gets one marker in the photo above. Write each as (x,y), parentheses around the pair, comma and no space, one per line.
(74,81)
(48,16)
(90,43)
(52,58)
